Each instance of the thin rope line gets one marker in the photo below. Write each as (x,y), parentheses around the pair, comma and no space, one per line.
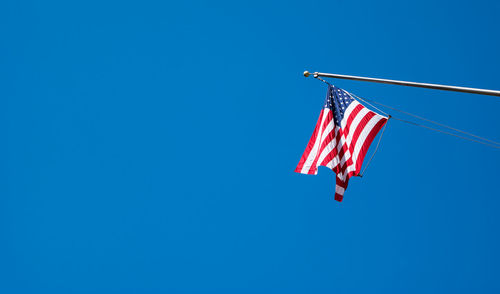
(431,121)
(368,103)
(444,132)
(323,80)
(376,148)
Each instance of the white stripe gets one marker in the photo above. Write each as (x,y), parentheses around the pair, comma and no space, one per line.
(328,129)
(360,142)
(314,150)
(347,153)
(332,145)
(354,124)
(352,127)
(348,111)
(328,148)
(347,141)
(341,141)
(335,160)
(339,190)
(362,137)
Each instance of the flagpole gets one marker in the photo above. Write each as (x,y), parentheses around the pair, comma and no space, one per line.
(409,84)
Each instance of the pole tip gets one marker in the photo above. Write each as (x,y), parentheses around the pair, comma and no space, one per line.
(306,74)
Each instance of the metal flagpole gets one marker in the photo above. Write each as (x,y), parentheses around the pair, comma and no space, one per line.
(410,84)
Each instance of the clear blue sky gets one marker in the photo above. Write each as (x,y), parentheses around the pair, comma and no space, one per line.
(149,147)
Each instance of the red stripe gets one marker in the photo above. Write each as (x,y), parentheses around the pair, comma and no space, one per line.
(351,117)
(366,145)
(330,156)
(343,184)
(343,148)
(359,129)
(328,138)
(369,139)
(310,144)
(345,131)
(314,166)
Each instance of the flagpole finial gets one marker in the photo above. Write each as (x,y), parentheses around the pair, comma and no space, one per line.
(306,74)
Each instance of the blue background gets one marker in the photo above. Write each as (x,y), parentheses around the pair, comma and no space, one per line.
(149,147)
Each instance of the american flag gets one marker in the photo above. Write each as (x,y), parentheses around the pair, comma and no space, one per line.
(343,134)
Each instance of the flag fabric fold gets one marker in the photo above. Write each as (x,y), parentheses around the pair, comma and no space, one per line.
(341,138)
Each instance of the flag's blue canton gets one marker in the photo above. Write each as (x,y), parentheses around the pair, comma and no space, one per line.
(337,100)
